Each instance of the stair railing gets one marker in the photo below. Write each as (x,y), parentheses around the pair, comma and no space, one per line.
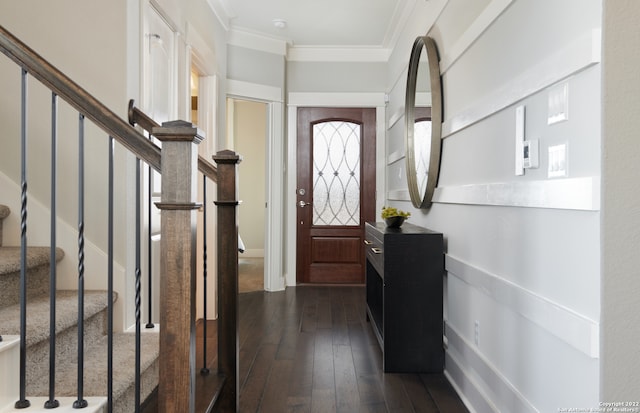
(225,177)
(178,163)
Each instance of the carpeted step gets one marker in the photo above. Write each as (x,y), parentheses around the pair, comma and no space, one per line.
(37,335)
(4,212)
(38,259)
(95,340)
(95,368)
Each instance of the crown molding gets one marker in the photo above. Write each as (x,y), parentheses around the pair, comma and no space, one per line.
(337,54)
(258,41)
(398,21)
(224,13)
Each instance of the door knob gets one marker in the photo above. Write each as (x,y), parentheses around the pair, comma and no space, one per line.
(303,204)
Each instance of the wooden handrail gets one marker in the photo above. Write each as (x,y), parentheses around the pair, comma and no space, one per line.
(79,98)
(138,117)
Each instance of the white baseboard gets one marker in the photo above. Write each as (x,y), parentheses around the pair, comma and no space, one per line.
(474,377)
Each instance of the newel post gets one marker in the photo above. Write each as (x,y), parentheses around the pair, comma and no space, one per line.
(176,387)
(227,204)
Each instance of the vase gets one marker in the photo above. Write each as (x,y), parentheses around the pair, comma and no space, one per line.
(394,222)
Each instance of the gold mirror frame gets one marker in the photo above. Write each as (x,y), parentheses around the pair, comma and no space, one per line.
(421,197)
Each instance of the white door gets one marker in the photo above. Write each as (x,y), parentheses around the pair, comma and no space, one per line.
(159,102)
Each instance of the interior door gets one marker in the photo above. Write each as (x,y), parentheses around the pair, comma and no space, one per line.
(335,192)
(159,103)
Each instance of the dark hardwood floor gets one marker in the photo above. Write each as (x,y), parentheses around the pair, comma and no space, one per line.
(310,349)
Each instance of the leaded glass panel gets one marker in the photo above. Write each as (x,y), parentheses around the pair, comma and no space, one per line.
(336,173)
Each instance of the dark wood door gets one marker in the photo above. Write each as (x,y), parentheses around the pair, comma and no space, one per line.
(335,193)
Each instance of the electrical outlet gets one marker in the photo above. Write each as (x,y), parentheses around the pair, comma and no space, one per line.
(476,335)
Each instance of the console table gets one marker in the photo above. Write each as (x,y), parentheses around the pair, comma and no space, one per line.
(404,270)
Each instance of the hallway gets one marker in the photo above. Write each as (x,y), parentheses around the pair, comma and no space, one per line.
(309,349)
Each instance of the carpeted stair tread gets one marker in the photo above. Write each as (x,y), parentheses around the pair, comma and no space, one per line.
(36,256)
(38,314)
(95,367)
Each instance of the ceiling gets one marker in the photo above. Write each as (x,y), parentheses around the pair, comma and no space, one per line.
(318,23)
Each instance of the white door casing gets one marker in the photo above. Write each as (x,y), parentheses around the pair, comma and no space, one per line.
(274,232)
(159,101)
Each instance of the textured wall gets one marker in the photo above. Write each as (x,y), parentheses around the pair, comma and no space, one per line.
(620,371)
(522,287)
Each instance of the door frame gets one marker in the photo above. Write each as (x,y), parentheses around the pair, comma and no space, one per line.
(295,100)
(274,231)
(147,10)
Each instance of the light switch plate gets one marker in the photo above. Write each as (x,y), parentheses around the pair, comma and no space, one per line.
(558,109)
(557,161)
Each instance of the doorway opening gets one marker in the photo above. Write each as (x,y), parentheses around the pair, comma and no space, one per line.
(247,126)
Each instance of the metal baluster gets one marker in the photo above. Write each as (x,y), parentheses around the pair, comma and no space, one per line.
(80,402)
(138,277)
(110,283)
(23,402)
(149,255)
(52,403)
(204,370)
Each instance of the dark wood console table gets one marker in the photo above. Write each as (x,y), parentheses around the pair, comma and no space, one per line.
(404,270)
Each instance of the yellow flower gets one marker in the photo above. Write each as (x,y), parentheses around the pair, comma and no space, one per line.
(388,212)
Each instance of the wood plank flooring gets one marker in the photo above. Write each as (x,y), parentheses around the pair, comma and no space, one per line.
(310,349)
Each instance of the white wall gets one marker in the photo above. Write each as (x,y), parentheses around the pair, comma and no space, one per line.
(304,76)
(620,366)
(241,65)
(103,56)
(522,252)
(54,33)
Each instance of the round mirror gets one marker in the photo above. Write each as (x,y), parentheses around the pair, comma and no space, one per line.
(423,121)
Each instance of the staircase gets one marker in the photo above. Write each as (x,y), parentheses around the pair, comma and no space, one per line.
(37,340)
(178,163)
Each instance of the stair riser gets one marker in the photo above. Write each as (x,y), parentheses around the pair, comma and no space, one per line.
(37,285)
(125,403)
(66,349)
(9,368)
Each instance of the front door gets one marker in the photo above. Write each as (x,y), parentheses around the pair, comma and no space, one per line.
(335,193)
